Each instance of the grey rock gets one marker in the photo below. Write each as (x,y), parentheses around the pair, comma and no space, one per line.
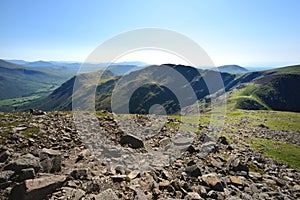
(80,173)
(212,194)
(4,155)
(223,140)
(296,188)
(26,174)
(163,142)
(166,175)
(38,188)
(207,148)
(108,194)
(71,193)
(6,175)
(36,112)
(133,174)
(255,176)
(92,187)
(192,149)
(132,141)
(192,196)
(235,164)
(139,194)
(193,171)
(24,162)
(50,160)
(20,128)
(182,141)
(5,178)
(118,178)
(213,181)
(119,169)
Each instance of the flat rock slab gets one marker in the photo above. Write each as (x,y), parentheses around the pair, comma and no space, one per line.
(236,180)
(38,188)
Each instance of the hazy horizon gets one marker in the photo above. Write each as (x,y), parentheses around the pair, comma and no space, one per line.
(254,66)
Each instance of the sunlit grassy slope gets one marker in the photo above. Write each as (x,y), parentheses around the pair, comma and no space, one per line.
(273,120)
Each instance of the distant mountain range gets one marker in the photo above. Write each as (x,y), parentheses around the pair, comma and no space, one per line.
(234,69)
(271,89)
(252,90)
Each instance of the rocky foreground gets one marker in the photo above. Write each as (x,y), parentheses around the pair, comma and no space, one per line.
(42,157)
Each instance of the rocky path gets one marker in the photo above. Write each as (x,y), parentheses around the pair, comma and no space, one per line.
(43,157)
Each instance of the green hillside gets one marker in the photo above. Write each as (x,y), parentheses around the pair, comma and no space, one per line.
(276,89)
(146,95)
(18,81)
(266,90)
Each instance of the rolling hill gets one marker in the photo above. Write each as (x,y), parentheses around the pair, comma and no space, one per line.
(151,84)
(233,69)
(275,89)
(18,81)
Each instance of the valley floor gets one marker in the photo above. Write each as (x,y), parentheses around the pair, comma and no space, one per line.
(254,156)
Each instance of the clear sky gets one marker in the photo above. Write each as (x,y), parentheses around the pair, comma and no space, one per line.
(254,32)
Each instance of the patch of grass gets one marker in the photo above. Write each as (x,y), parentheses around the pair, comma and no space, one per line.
(30,131)
(280,151)
(172,125)
(254,168)
(245,98)
(275,120)
(189,128)
(103,114)
(7,124)
(4,135)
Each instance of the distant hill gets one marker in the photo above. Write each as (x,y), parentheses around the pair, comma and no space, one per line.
(39,64)
(146,95)
(17,80)
(275,89)
(18,62)
(120,69)
(69,69)
(233,69)
(61,98)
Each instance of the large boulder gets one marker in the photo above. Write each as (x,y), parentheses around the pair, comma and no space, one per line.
(50,160)
(132,141)
(38,188)
(26,174)
(24,162)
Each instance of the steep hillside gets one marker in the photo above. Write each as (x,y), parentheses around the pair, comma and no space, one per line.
(61,98)
(281,93)
(146,93)
(276,89)
(265,90)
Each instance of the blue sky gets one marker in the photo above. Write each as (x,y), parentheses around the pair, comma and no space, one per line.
(248,33)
